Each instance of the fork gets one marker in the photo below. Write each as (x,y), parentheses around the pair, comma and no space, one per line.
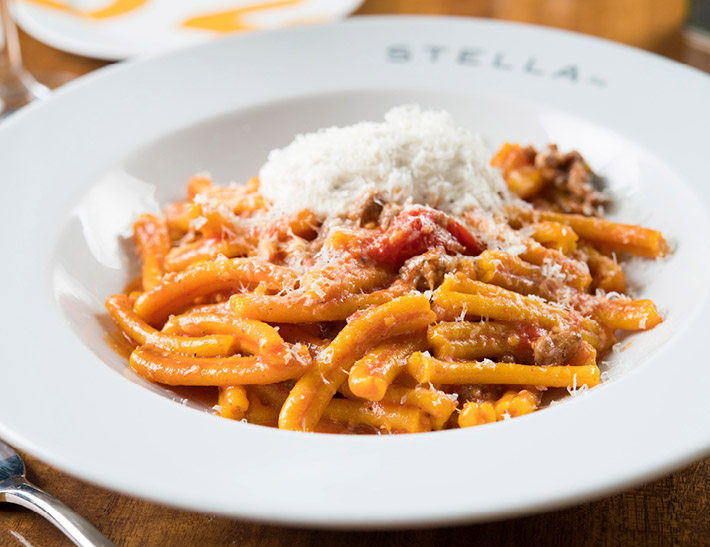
(15,488)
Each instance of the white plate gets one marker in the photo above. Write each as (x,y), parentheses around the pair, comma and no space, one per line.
(121,29)
(75,170)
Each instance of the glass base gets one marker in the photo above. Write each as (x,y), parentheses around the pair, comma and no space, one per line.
(20,89)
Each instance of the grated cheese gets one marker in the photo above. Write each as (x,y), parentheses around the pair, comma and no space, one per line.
(553,270)
(415,155)
(494,233)
(197,223)
(462,316)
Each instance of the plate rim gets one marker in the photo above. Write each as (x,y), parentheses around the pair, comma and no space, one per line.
(302,519)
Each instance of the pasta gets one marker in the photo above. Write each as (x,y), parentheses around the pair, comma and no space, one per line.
(391,318)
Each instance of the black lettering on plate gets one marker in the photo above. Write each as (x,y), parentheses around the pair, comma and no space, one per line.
(473,56)
(469,57)
(435,52)
(595,80)
(399,54)
(570,71)
(499,62)
(531,68)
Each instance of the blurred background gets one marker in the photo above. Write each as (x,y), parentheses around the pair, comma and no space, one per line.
(679,29)
(697,35)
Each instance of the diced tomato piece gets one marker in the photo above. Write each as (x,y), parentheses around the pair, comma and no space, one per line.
(464,237)
(527,334)
(416,230)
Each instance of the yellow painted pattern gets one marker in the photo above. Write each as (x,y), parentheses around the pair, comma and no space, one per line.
(231,20)
(313,20)
(223,21)
(118,7)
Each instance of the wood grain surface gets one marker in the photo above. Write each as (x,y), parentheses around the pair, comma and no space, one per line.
(671,511)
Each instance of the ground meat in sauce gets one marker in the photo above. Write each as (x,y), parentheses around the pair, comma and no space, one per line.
(389,213)
(572,182)
(427,271)
(555,349)
(477,393)
(366,209)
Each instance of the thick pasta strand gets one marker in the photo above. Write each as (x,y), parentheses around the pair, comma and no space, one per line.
(427,369)
(628,314)
(502,236)
(516,403)
(437,404)
(301,334)
(511,404)
(479,340)
(179,370)
(302,308)
(237,198)
(232,402)
(606,272)
(554,235)
(221,308)
(203,345)
(312,393)
(576,273)
(463,298)
(615,236)
(250,336)
(373,373)
(382,415)
(176,291)
(301,224)
(477,413)
(188,254)
(521,175)
(497,306)
(514,274)
(153,242)
(177,218)
(272,394)
(261,413)
(392,415)
(328,283)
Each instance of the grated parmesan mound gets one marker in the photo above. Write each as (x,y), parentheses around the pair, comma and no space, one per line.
(415,156)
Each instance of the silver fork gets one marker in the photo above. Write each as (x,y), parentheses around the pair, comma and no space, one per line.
(15,488)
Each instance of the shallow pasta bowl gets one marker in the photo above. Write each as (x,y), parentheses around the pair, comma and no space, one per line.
(77,169)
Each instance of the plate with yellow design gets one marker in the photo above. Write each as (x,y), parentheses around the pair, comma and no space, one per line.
(122,29)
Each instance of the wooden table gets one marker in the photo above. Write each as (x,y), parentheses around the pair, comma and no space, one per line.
(671,511)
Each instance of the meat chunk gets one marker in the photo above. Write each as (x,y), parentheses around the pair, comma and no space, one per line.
(366,209)
(572,181)
(474,393)
(427,271)
(550,179)
(556,349)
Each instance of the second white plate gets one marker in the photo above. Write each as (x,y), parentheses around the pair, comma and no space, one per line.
(121,29)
